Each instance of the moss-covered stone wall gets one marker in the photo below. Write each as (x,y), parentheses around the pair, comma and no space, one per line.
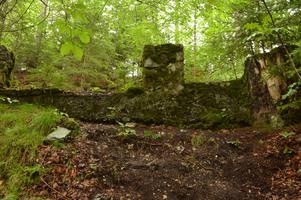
(163,68)
(199,105)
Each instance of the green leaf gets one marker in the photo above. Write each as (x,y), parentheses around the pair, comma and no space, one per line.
(287,134)
(252,26)
(61,26)
(66,48)
(266,20)
(84,37)
(287,150)
(77,52)
(80,6)
(79,17)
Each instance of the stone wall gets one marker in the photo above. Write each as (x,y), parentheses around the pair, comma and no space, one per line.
(163,68)
(199,105)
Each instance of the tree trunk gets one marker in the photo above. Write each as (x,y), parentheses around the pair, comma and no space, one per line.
(39,36)
(194,42)
(3,10)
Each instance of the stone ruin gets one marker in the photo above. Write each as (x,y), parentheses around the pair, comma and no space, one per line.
(7,63)
(163,68)
(166,99)
(264,75)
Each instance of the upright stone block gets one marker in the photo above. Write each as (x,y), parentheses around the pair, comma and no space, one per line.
(7,63)
(163,68)
(267,84)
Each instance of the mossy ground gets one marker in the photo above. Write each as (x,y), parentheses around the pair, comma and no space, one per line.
(23,128)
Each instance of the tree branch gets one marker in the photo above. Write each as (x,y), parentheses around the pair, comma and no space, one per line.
(27,9)
(101,10)
(45,4)
(11,8)
(2,2)
(27,27)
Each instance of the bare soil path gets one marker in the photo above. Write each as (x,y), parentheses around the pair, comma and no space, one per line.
(161,162)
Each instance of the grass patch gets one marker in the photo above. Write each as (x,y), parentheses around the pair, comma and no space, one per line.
(23,128)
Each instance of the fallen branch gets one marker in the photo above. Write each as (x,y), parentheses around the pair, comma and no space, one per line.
(56,191)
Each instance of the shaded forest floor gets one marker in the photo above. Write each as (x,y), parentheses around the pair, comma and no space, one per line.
(161,162)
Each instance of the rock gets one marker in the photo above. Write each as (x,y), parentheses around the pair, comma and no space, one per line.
(59,134)
(130,125)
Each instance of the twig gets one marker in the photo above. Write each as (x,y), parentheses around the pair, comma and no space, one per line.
(45,4)
(54,189)
(101,10)
(152,162)
(16,2)
(2,2)
(27,27)
(27,9)
(150,144)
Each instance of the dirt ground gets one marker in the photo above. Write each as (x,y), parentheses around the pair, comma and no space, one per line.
(160,162)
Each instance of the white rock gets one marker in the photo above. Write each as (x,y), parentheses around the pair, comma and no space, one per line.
(59,134)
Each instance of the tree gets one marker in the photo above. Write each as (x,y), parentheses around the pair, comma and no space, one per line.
(81,38)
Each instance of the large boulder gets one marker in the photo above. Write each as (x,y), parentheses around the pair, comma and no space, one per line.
(7,63)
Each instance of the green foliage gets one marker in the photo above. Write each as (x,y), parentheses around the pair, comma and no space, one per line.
(106,38)
(69,78)
(152,135)
(293,105)
(85,37)
(236,143)
(291,99)
(291,90)
(287,134)
(126,130)
(288,151)
(22,129)
(70,124)
(198,140)
(49,76)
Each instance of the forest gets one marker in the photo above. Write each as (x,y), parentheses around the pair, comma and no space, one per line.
(150,99)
